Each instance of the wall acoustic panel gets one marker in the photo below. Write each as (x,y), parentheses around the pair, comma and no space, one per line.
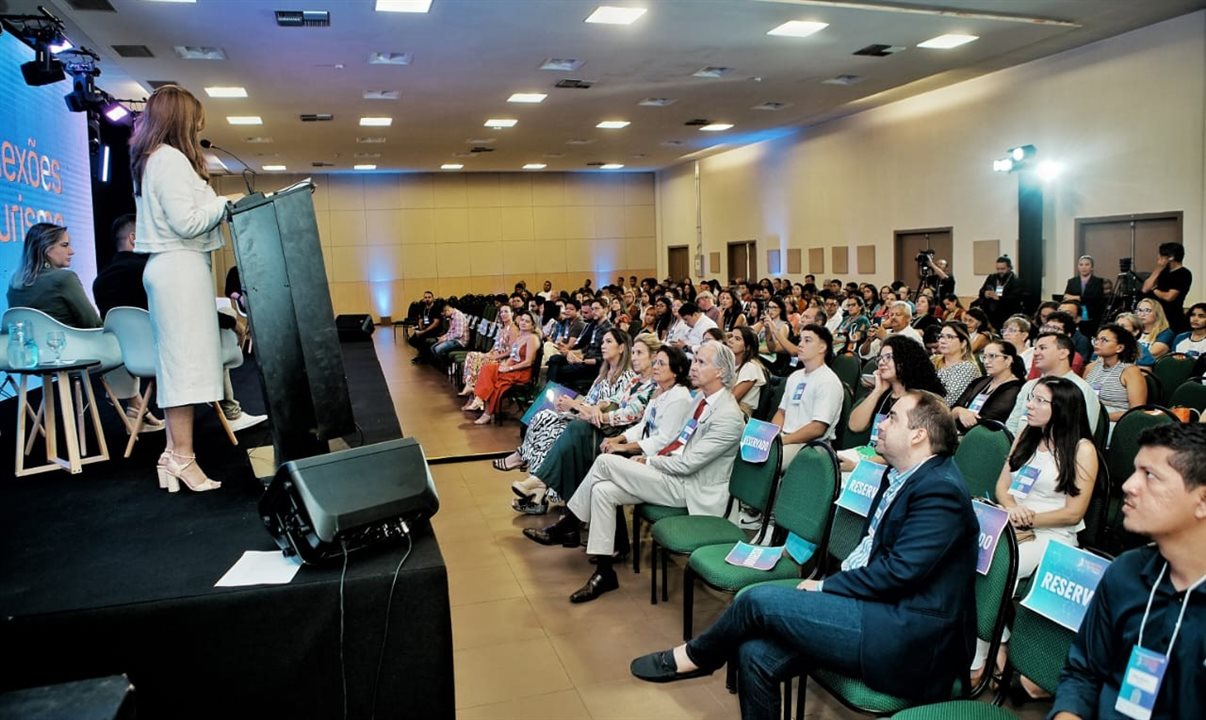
(795,265)
(865,254)
(840,259)
(816,260)
(984,256)
(772,262)
(714,262)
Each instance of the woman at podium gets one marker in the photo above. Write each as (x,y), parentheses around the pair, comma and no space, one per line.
(178,218)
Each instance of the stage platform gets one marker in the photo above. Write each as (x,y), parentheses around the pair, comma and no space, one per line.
(103,573)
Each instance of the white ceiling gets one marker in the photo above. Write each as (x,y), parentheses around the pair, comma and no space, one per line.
(470,55)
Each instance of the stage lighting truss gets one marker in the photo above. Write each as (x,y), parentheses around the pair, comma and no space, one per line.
(1015,159)
(43,33)
(81,63)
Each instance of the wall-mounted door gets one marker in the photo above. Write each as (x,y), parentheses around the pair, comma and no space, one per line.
(678,262)
(1109,239)
(911,242)
(743,261)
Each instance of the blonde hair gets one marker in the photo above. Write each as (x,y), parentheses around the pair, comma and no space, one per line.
(1159,326)
(173,117)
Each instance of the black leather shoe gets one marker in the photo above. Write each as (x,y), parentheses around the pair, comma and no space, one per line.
(660,667)
(554,535)
(598,584)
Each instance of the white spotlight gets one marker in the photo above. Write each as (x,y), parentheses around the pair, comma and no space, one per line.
(1049,170)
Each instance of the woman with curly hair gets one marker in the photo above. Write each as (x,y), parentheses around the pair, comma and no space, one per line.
(901,366)
(1118,381)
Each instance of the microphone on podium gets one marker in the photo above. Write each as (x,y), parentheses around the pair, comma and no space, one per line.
(248,173)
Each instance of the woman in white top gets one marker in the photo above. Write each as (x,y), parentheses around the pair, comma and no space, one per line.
(751,376)
(1048,480)
(1016,332)
(178,218)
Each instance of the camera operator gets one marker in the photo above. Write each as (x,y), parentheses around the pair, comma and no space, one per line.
(935,273)
(1169,283)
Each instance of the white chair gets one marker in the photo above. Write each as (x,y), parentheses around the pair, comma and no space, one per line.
(93,343)
(132,327)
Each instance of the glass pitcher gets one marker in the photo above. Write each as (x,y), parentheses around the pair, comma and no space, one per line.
(22,347)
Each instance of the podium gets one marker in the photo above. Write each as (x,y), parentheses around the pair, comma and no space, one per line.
(279,255)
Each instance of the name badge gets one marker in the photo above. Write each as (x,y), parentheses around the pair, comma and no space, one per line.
(686,433)
(1096,387)
(1140,683)
(515,353)
(798,393)
(1000,290)
(1193,354)
(879,417)
(978,402)
(1023,481)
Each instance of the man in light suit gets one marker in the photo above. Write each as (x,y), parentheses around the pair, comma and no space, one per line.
(692,471)
(900,615)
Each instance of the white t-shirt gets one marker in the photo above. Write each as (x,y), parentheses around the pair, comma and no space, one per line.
(1191,348)
(751,371)
(695,336)
(809,396)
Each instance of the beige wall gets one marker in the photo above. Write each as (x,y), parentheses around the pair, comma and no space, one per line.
(387,237)
(1126,116)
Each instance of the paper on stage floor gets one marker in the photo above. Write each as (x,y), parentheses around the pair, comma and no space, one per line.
(260,568)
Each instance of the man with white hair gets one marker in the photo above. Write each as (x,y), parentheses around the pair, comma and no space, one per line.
(898,321)
(691,471)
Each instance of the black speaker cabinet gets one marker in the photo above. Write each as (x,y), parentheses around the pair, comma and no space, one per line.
(354,327)
(317,506)
(103,698)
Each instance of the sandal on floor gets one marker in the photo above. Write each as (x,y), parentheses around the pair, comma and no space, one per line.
(501,465)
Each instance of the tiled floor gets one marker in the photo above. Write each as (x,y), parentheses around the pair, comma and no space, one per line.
(521,650)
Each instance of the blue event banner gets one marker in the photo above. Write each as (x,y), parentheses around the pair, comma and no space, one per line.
(860,488)
(992,523)
(757,439)
(1064,583)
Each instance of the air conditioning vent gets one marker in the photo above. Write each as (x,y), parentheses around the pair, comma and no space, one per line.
(843,80)
(697,122)
(712,71)
(303,18)
(322,164)
(316,117)
(480,149)
(770,105)
(133,51)
(594,164)
(573,84)
(92,5)
(561,64)
(877,50)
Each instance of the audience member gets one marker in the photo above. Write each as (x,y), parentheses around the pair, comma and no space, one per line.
(1130,322)
(516,368)
(1074,310)
(507,332)
(431,326)
(992,396)
(580,363)
(1156,335)
(1016,332)
(456,336)
(901,366)
(1087,289)
(692,471)
(1169,283)
(730,313)
(751,376)
(978,329)
(1052,356)
(854,326)
(1113,375)
(900,615)
(1192,343)
(1064,324)
(706,301)
(697,324)
(1148,611)
(955,363)
(812,396)
(925,321)
(895,323)
(952,308)
(1000,295)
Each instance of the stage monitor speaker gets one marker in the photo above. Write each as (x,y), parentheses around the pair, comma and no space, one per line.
(318,506)
(354,328)
(102,698)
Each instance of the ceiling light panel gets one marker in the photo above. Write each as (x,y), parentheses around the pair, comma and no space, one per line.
(501,123)
(370,140)
(391,58)
(535,166)
(946,42)
(798,28)
(258,140)
(611,166)
(612,15)
(716,127)
(226,92)
(657,102)
(613,124)
(376,121)
(452,166)
(274,168)
(403,6)
(561,64)
(382,94)
(530,98)
(712,71)
(244,120)
(364,167)
(197,52)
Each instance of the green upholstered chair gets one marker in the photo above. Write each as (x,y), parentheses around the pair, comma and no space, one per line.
(803,505)
(1120,459)
(981,454)
(750,483)
(1190,394)
(1173,370)
(847,368)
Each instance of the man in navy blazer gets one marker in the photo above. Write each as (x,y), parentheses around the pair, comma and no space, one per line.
(900,615)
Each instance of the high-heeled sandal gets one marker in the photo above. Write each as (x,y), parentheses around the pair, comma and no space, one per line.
(501,464)
(160,466)
(466,392)
(485,419)
(474,405)
(526,489)
(171,474)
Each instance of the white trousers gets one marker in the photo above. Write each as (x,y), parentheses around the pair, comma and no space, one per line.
(614,481)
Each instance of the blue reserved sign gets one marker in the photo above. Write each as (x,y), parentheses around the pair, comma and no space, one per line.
(757,439)
(992,524)
(1064,583)
(858,491)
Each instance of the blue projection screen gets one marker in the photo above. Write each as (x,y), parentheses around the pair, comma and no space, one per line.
(45,173)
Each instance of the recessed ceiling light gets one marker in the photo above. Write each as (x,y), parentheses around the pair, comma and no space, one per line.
(274,168)
(535,166)
(451,166)
(716,127)
(376,121)
(391,58)
(613,124)
(497,123)
(527,98)
(381,94)
(657,102)
(946,42)
(226,92)
(403,6)
(561,64)
(798,28)
(611,166)
(612,15)
(366,155)
(244,120)
(364,167)
(843,80)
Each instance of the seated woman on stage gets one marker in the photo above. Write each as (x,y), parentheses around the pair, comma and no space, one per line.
(1154,335)
(751,376)
(44,283)
(901,365)
(992,396)
(1048,480)
(494,379)
(570,457)
(612,384)
(507,332)
(1119,383)
(954,362)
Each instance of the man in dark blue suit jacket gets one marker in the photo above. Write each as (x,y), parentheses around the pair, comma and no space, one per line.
(900,615)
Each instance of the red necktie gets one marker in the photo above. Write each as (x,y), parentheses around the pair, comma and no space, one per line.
(678,442)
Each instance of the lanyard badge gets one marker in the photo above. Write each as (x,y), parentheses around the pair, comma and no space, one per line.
(1023,481)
